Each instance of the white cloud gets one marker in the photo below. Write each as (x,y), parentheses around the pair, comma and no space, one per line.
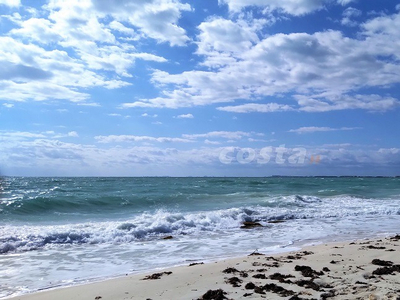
(348,16)
(255,107)
(147,115)
(63,47)
(8,105)
(135,138)
(18,135)
(345,2)
(48,157)
(187,116)
(208,142)
(12,3)
(73,134)
(233,135)
(330,102)
(156,19)
(313,129)
(115,25)
(324,70)
(226,36)
(293,7)
(31,72)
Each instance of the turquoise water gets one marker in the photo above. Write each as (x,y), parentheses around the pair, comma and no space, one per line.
(69,230)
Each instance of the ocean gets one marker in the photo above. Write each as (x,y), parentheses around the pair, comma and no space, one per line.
(64,231)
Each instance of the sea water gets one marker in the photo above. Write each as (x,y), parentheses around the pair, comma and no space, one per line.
(63,231)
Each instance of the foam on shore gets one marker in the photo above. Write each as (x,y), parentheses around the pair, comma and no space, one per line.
(366,269)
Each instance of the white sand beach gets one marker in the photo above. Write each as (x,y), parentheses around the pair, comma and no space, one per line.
(364,269)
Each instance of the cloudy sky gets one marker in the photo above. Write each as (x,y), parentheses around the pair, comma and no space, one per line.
(195,88)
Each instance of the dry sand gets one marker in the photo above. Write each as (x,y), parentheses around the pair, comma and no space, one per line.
(367,269)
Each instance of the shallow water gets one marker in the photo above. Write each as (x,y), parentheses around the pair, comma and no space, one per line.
(60,231)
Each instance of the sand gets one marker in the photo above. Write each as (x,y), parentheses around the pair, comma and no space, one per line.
(366,269)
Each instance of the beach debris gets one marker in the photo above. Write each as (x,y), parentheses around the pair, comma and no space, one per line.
(333,262)
(98,297)
(372,247)
(395,238)
(156,275)
(272,287)
(234,281)
(380,262)
(214,295)
(195,264)
(250,224)
(255,253)
(308,284)
(230,270)
(250,286)
(307,271)
(247,294)
(296,297)
(387,270)
(260,276)
(168,237)
(299,255)
(281,278)
(329,294)
(258,290)
(326,269)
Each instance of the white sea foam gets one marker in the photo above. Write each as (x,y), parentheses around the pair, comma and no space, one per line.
(61,234)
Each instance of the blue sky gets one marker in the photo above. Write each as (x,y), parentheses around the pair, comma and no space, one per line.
(199,88)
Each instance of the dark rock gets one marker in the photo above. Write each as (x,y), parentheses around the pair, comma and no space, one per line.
(325,269)
(250,224)
(276,221)
(214,295)
(250,286)
(333,262)
(168,237)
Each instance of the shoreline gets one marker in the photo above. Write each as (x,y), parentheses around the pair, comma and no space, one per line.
(359,269)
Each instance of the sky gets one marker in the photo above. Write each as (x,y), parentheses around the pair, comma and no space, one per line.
(199,88)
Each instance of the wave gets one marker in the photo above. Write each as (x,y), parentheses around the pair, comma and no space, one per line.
(156,224)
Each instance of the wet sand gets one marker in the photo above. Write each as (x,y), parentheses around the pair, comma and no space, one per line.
(364,269)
